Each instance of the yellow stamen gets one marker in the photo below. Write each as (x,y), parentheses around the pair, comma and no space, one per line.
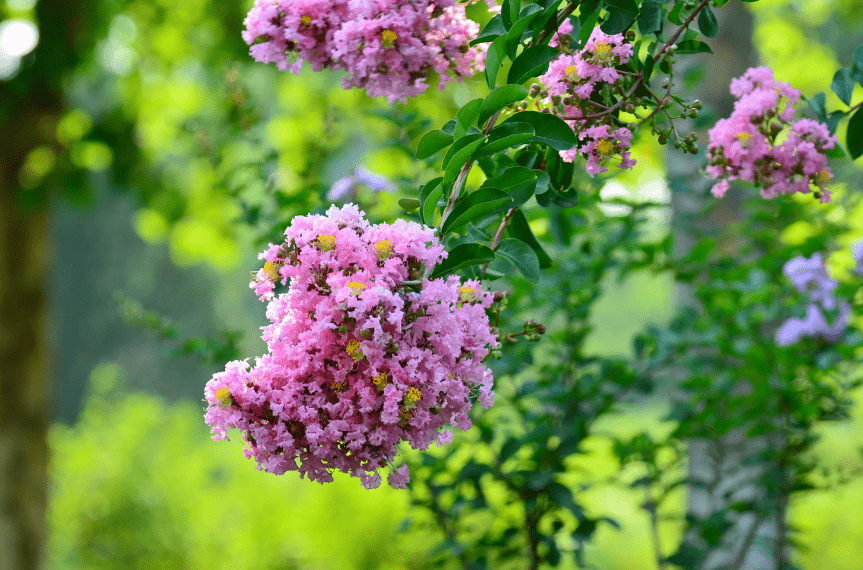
(223,395)
(466,294)
(380,380)
(605,147)
(744,139)
(339,387)
(306,20)
(388,37)
(383,249)
(272,271)
(326,242)
(571,72)
(412,397)
(353,349)
(356,288)
(602,50)
(822,178)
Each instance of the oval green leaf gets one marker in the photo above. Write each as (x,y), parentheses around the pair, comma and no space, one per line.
(843,85)
(466,116)
(493,60)
(458,146)
(519,228)
(532,62)
(854,138)
(500,98)
(429,196)
(432,142)
(707,22)
(693,46)
(521,255)
(464,255)
(504,136)
(472,206)
(550,130)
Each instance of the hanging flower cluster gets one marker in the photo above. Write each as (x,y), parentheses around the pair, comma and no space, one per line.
(567,87)
(388,48)
(363,352)
(762,143)
(810,277)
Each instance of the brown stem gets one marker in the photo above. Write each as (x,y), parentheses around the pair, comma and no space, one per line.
(497,237)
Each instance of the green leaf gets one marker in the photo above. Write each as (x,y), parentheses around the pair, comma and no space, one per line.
(519,228)
(491,31)
(458,146)
(504,136)
(693,46)
(472,206)
(833,121)
(514,35)
(460,158)
(649,62)
(500,98)
(509,9)
(432,142)
(493,60)
(550,130)
(587,28)
(618,20)
(462,256)
(531,63)
(843,85)
(674,15)
(429,196)
(818,105)
(409,204)
(857,70)
(650,19)
(854,138)
(546,21)
(521,255)
(628,5)
(466,116)
(519,182)
(707,22)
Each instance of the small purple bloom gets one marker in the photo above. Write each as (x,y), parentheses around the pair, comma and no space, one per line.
(857,253)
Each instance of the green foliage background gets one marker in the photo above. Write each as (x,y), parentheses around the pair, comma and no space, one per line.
(180,136)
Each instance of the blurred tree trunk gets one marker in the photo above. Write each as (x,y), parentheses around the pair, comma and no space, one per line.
(25,389)
(30,105)
(715,467)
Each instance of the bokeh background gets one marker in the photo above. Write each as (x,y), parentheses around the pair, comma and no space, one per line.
(165,164)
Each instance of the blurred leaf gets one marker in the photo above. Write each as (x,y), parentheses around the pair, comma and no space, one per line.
(843,85)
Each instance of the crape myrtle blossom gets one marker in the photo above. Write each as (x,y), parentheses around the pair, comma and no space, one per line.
(386,47)
(567,86)
(762,143)
(363,353)
(810,277)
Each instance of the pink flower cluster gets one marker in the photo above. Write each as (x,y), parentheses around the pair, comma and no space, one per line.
(388,48)
(363,352)
(570,81)
(762,143)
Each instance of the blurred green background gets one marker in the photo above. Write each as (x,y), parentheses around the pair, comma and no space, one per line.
(176,158)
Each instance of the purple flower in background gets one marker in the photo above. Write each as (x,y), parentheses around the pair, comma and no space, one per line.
(345,187)
(857,253)
(810,276)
